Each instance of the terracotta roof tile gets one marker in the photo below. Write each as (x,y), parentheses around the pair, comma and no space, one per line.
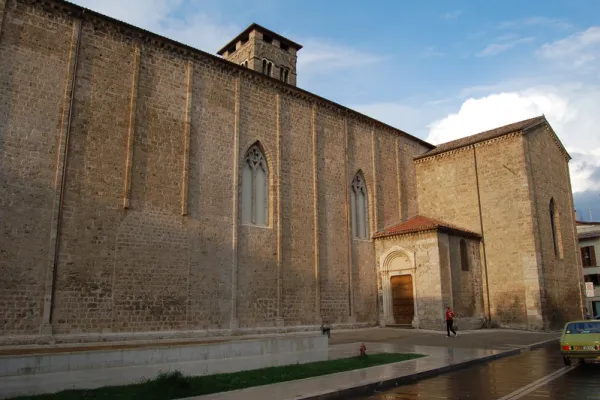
(483,136)
(421,223)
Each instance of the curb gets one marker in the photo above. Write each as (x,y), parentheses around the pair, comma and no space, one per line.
(368,389)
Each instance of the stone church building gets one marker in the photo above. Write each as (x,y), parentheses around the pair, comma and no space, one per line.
(147,186)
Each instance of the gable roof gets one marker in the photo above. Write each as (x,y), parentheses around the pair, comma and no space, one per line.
(483,136)
(421,223)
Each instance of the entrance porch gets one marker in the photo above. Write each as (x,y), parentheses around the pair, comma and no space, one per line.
(424,266)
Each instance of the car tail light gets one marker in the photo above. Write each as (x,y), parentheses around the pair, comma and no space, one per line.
(566,347)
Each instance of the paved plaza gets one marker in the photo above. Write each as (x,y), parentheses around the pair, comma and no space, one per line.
(443,354)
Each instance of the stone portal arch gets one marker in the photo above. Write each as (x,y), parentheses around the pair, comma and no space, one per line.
(397,261)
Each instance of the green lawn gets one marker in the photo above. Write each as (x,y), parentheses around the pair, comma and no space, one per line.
(174,385)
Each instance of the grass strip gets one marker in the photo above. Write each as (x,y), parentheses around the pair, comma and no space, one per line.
(174,385)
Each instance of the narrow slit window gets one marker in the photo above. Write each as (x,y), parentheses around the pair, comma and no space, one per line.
(464,255)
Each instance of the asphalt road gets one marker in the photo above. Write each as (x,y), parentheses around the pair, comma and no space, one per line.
(535,375)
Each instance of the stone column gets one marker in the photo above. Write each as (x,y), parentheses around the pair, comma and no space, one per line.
(131,130)
(375,224)
(60,174)
(399,179)
(315,165)
(233,323)
(279,321)
(186,139)
(351,316)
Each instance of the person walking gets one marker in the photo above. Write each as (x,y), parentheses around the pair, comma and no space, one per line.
(450,322)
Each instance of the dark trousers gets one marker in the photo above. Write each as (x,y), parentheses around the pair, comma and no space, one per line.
(449,327)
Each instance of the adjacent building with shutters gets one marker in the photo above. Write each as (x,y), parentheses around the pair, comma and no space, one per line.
(589,243)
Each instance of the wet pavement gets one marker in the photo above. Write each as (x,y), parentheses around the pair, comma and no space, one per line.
(535,375)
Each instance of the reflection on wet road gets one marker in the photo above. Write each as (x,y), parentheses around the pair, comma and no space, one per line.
(534,375)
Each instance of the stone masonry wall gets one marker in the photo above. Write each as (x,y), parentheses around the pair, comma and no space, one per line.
(34,62)
(560,273)
(497,167)
(144,225)
(508,233)
(408,187)
(447,189)
(467,293)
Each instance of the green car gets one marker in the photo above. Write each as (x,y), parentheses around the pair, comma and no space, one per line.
(581,340)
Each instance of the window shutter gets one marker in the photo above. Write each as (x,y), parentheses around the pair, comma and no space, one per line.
(593,257)
(584,261)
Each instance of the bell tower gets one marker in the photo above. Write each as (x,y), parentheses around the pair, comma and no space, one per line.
(264,51)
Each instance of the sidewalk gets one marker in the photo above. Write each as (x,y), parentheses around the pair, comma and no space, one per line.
(478,339)
(444,355)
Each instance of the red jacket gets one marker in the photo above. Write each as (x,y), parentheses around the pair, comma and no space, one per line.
(449,315)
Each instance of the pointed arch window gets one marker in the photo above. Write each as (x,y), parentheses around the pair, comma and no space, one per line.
(359,208)
(553,226)
(255,188)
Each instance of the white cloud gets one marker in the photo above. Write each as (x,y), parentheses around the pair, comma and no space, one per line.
(325,57)
(143,13)
(200,31)
(570,109)
(536,21)
(585,169)
(181,21)
(497,48)
(577,50)
(409,119)
(451,14)
(175,19)
(508,36)
(432,51)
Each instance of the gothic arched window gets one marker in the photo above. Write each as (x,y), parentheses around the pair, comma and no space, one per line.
(464,256)
(359,208)
(255,188)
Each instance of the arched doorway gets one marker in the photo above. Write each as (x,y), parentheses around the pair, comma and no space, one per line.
(399,287)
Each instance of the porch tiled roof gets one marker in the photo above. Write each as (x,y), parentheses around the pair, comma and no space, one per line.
(421,223)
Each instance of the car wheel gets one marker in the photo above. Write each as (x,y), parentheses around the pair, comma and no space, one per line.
(567,361)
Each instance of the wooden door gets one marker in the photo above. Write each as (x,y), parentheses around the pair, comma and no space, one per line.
(402,299)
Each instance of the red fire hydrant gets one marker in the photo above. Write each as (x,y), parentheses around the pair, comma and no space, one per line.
(363,350)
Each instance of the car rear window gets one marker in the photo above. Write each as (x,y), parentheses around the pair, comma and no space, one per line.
(583,327)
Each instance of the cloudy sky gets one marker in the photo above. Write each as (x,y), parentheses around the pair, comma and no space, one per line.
(438,69)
